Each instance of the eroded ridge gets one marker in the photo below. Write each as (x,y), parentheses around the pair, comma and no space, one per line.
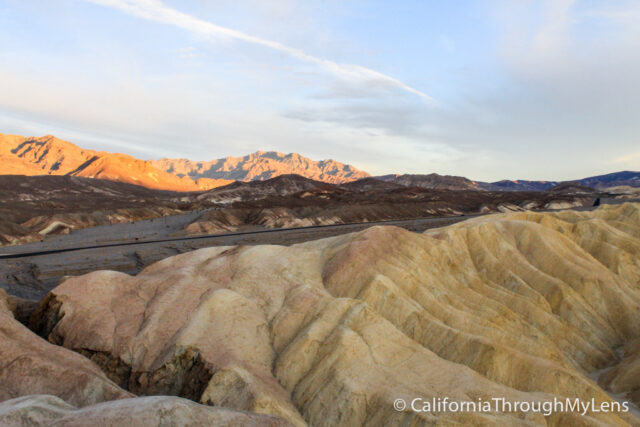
(522,306)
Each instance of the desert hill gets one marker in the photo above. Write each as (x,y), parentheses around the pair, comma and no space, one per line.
(292,201)
(435,181)
(628,178)
(260,166)
(600,182)
(49,155)
(329,332)
(455,183)
(44,384)
(33,207)
(282,185)
(518,185)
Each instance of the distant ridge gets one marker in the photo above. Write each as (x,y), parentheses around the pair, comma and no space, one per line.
(456,183)
(262,165)
(629,178)
(48,155)
(433,180)
(599,182)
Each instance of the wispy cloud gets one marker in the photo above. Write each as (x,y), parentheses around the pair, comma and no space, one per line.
(187,52)
(629,158)
(155,10)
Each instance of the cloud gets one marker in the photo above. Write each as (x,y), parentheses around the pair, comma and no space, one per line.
(629,159)
(387,119)
(553,33)
(155,10)
(187,52)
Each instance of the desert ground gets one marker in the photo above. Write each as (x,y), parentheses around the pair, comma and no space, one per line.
(32,276)
(58,226)
(319,330)
(290,301)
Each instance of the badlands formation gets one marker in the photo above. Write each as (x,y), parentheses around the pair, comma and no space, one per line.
(525,306)
(42,384)
(33,208)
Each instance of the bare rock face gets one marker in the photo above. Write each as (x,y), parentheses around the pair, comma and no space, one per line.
(42,410)
(29,365)
(330,332)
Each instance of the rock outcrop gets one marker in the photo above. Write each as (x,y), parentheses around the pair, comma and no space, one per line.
(330,332)
(29,365)
(158,411)
(42,384)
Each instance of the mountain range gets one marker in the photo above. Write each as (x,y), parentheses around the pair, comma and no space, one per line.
(260,166)
(48,155)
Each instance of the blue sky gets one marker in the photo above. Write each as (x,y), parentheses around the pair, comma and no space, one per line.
(485,89)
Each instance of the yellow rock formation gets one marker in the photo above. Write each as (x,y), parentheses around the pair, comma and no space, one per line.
(29,365)
(521,305)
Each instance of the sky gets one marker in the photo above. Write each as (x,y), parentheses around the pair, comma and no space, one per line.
(487,89)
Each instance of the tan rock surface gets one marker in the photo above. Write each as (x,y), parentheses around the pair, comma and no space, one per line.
(29,365)
(330,332)
(158,411)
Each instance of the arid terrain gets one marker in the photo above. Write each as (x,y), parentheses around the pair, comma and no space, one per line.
(73,225)
(34,207)
(522,305)
(319,213)
(48,155)
(260,166)
(232,293)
